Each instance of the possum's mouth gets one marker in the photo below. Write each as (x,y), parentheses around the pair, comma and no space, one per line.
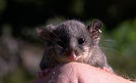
(72,55)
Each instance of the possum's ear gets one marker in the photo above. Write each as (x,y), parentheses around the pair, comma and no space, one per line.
(46,33)
(94,30)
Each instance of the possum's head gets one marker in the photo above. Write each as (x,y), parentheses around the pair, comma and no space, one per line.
(71,40)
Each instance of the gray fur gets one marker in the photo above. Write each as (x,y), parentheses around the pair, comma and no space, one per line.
(73,37)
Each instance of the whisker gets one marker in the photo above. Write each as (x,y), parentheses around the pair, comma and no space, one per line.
(109,40)
(110,50)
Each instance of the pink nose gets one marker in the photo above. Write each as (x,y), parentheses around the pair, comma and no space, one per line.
(72,57)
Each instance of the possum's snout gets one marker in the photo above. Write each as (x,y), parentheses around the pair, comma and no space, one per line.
(72,55)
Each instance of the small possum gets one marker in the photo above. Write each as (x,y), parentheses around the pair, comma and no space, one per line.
(72,41)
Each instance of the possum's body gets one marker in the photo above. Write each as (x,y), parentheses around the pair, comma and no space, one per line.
(73,41)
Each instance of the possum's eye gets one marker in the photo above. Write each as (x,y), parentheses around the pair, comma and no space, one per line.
(81,40)
(61,44)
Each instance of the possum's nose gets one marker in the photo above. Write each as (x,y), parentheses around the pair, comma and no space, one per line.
(72,57)
(72,54)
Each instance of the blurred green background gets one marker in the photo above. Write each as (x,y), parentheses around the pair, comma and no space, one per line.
(21,50)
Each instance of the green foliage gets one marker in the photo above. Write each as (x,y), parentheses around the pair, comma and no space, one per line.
(124,59)
(78,7)
(18,76)
(2,5)
(125,36)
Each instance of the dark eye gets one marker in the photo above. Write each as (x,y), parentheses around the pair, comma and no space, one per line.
(81,40)
(60,43)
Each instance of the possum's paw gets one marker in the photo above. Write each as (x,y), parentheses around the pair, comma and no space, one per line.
(107,70)
(44,73)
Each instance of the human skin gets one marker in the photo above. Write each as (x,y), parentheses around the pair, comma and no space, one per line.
(74,72)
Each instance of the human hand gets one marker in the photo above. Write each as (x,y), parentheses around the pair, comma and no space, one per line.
(74,72)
